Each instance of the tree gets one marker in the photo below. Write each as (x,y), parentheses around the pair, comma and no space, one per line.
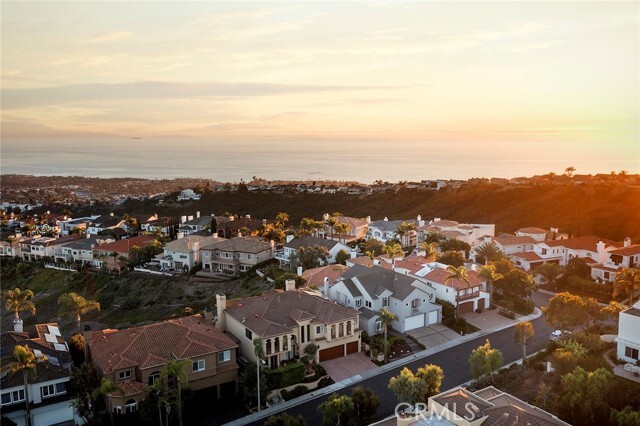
(258,351)
(577,267)
(584,395)
(460,274)
(627,282)
(248,382)
(484,360)
(76,305)
(342,229)
(311,350)
(341,257)
(104,391)
(451,244)
(413,388)
(281,220)
(18,301)
(385,316)
(76,348)
(405,230)
(331,221)
(24,361)
(488,252)
(430,250)
(175,369)
(453,258)
(374,246)
(611,311)
(285,419)
(309,257)
(626,417)
(307,227)
(84,380)
(566,312)
(569,171)
(489,273)
(549,273)
(336,410)
(524,332)
(393,250)
(365,405)
(516,284)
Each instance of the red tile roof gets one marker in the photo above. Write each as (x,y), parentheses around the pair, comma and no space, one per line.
(532,230)
(156,344)
(627,251)
(528,255)
(588,242)
(439,275)
(316,276)
(512,240)
(125,246)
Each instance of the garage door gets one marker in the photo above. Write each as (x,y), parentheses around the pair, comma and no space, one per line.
(465,307)
(414,322)
(352,347)
(331,353)
(433,317)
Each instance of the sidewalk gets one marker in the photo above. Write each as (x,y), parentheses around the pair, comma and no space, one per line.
(352,381)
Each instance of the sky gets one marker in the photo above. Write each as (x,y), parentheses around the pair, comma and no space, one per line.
(537,77)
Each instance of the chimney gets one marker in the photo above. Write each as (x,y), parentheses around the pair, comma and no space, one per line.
(88,235)
(289,238)
(325,216)
(353,254)
(326,287)
(221,305)
(197,214)
(248,216)
(386,219)
(179,235)
(208,314)
(290,285)
(17,325)
(299,271)
(190,217)
(111,214)
(376,262)
(368,219)
(420,221)
(474,267)
(627,242)
(601,252)
(183,219)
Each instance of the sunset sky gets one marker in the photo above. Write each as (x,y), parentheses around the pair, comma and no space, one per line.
(557,74)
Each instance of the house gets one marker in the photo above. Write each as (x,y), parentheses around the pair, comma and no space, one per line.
(464,232)
(81,250)
(386,230)
(294,244)
(287,321)
(357,228)
(488,406)
(108,255)
(314,277)
(48,389)
(189,224)
(627,256)
(133,358)
(36,248)
(163,225)
(103,223)
(188,194)
(234,225)
(538,234)
(184,253)
(68,226)
(469,297)
(628,339)
(236,255)
(370,289)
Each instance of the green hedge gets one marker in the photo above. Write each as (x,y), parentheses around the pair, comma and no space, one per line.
(286,375)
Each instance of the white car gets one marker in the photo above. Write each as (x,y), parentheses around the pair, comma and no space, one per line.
(558,334)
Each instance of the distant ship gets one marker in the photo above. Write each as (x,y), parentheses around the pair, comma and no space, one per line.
(136,137)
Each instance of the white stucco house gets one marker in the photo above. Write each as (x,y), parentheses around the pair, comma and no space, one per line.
(294,244)
(629,334)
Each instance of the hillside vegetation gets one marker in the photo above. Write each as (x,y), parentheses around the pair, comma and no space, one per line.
(608,211)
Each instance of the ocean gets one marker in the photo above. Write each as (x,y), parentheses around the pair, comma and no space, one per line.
(306,160)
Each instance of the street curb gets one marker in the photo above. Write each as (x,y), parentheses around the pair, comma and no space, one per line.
(376,371)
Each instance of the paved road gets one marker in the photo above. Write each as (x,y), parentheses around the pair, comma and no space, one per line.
(454,363)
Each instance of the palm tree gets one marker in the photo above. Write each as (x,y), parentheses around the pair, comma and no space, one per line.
(457,273)
(104,391)
(489,273)
(281,220)
(24,361)
(258,350)
(76,305)
(429,249)
(342,229)
(331,221)
(159,389)
(627,281)
(18,301)
(175,369)
(569,171)
(393,250)
(386,316)
(489,251)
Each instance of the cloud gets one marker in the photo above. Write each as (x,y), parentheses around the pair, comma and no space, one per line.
(79,93)
(111,36)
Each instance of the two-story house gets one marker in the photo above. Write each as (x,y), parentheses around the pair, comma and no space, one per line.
(36,248)
(357,228)
(370,289)
(628,335)
(465,232)
(133,358)
(48,387)
(236,255)
(288,321)
(385,230)
(294,244)
(184,253)
(233,226)
(68,226)
(108,255)
(627,256)
(189,224)
(102,223)
(467,296)
(81,251)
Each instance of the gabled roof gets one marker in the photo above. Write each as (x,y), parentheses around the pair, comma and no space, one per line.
(512,240)
(376,280)
(530,256)
(627,251)
(156,344)
(307,241)
(386,225)
(87,243)
(190,243)
(366,261)
(240,244)
(276,312)
(199,221)
(532,230)
(587,243)
(352,221)
(105,221)
(445,223)
(124,246)
(439,275)
(316,276)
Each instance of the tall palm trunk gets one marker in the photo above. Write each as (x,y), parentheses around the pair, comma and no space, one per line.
(179,402)
(386,344)
(27,408)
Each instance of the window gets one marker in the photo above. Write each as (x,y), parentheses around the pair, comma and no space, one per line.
(131,406)
(249,256)
(117,409)
(52,390)
(248,334)
(154,377)
(197,365)
(631,352)
(124,375)
(385,301)
(367,304)
(358,302)
(222,357)
(319,329)
(378,325)
(13,397)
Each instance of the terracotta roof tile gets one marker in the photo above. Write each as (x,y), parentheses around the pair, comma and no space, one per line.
(627,251)
(439,275)
(511,240)
(532,230)
(124,246)
(588,242)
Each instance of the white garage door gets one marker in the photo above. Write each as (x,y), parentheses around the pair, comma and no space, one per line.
(414,322)
(433,317)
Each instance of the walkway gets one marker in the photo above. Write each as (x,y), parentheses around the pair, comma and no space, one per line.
(433,335)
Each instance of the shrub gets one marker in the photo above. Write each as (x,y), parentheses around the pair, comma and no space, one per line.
(285,376)
(325,381)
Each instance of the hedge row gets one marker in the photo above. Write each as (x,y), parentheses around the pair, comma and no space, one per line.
(286,375)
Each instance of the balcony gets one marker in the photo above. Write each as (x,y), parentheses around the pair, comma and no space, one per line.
(281,255)
(463,297)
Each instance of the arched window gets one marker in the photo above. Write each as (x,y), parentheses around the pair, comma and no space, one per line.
(348,328)
(341,330)
(276,345)
(268,346)
(333,331)
(131,406)
(154,377)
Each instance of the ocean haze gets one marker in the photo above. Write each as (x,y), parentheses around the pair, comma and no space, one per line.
(287,160)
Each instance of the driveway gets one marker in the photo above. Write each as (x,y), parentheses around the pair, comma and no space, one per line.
(433,335)
(488,318)
(347,366)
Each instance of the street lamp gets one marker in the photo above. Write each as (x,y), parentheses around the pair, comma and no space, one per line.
(258,360)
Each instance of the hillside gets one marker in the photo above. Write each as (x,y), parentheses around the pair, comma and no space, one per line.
(608,211)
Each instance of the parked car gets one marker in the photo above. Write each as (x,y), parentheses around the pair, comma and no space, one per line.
(559,334)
